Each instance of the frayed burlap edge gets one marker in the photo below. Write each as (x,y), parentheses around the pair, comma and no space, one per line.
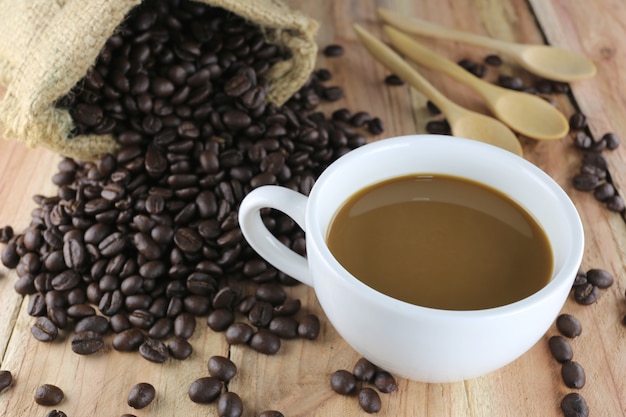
(65,51)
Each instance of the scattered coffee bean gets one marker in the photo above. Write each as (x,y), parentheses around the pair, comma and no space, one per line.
(154,350)
(393,79)
(128,340)
(179,348)
(238,333)
(438,127)
(271,413)
(604,191)
(364,370)
(600,278)
(573,374)
(385,382)
(44,330)
(577,121)
(493,60)
(309,327)
(369,400)
(615,203)
(574,405)
(87,342)
(205,390)
(612,140)
(586,294)
(560,349)
(343,382)
(510,82)
(568,325)
(56,413)
(141,395)
(222,368)
(333,50)
(229,404)
(284,327)
(265,342)
(48,394)
(6,379)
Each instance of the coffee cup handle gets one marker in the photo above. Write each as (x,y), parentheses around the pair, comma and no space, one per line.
(290,202)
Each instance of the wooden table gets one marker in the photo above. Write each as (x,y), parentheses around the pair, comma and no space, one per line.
(296,380)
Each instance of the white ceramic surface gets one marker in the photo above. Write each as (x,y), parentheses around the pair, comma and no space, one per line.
(420,343)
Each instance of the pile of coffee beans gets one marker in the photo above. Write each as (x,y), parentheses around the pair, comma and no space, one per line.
(142,242)
(349,383)
(149,235)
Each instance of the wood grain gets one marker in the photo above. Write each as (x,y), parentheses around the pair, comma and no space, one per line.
(295,380)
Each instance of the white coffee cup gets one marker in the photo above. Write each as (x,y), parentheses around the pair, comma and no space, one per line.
(423,344)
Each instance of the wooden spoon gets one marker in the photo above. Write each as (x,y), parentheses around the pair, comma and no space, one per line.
(464,123)
(525,113)
(546,61)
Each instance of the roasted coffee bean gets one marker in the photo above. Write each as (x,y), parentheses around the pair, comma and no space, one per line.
(510,82)
(385,382)
(154,350)
(119,322)
(220,319)
(48,394)
(288,308)
(6,379)
(285,327)
(586,294)
(161,328)
(574,405)
(44,330)
(128,340)
(573,374)
(141,395)
(56,413)
(92,323)
(333,50)
(6,233)
(612,140)
(66,280)
(493,60)
(87,342)
(568,325)
(271,293)
(582,140)
(586,182)
(179,348)
(375,126)
(369,400)
(222,368)
(438,127)
(364,370)
(393,79)
(184,325)
(58,315)
(577,121)
(261,314)
(238,333)
(615,203)
(265,342)
(560,349)
(604,191)
(581,278)
(309,327)
(229,404)
(271,413)
(141,319)
(343,382)
(205,390)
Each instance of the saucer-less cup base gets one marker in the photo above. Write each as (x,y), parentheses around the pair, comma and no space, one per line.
(422,344)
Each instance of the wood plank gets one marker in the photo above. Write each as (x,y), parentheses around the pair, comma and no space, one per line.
(296,380)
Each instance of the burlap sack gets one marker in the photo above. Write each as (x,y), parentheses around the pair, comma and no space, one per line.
(46,46)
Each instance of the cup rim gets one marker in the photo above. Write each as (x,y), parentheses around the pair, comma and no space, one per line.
(561,278)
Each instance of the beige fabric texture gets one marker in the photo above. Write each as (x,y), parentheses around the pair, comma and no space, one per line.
(47,46)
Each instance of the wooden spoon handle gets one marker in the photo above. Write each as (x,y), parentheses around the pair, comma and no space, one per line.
(402,69)
(422,27)
(425,57)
